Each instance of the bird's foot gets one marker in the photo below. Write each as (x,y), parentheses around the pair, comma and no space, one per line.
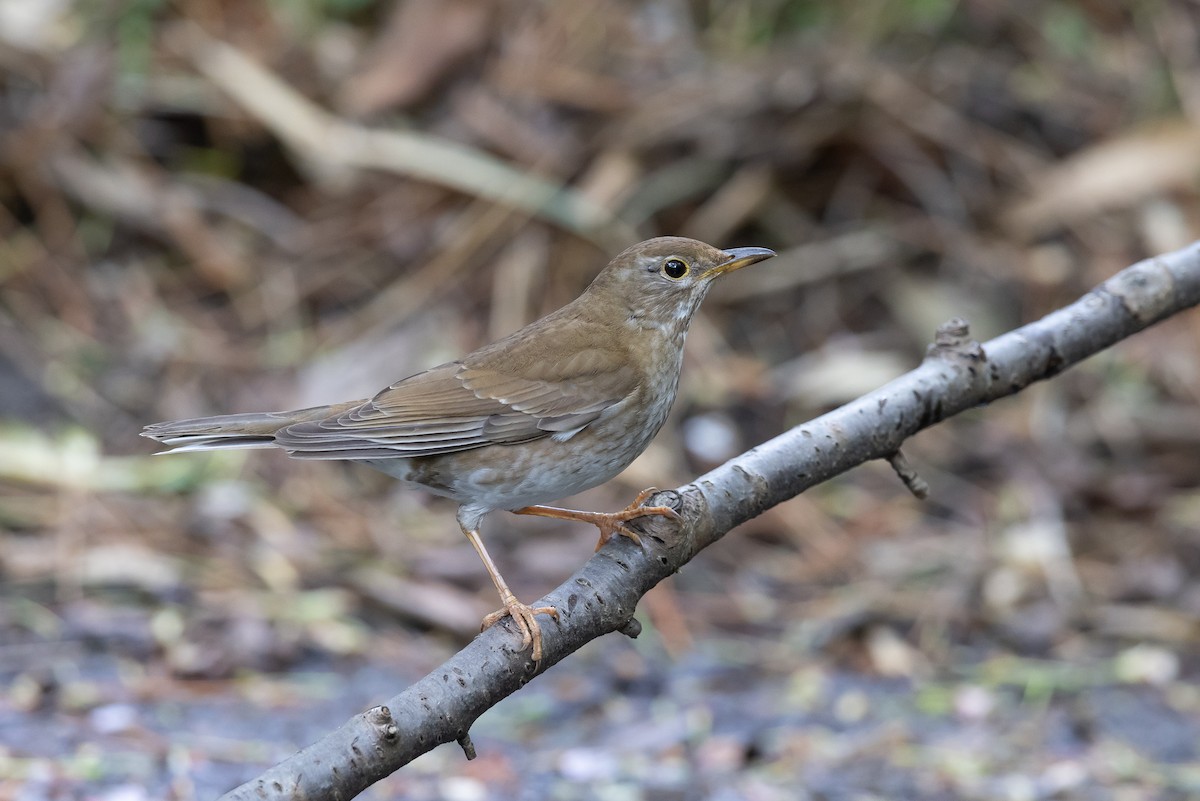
(524,616)
(609,523)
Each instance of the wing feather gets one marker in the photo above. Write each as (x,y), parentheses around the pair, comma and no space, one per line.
(510,392)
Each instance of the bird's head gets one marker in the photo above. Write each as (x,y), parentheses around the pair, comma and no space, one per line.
(660,282)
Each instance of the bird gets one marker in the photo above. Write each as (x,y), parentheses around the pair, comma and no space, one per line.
(557,407)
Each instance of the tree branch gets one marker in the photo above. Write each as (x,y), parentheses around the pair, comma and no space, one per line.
(957,374)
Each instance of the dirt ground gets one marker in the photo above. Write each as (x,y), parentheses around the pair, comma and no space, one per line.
(212,207)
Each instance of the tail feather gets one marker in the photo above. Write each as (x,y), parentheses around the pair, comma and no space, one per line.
(231,431)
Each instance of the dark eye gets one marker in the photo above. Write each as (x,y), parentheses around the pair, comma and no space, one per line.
(674,268)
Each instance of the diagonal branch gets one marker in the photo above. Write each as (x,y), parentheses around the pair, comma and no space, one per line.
(956,375)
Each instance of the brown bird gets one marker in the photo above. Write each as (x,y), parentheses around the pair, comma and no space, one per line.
(558,407)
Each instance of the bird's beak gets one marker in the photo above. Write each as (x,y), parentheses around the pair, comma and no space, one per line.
(739,258)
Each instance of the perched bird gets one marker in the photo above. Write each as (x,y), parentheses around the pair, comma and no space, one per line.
(556,408)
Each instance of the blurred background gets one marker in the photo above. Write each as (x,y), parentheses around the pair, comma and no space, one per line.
(211,207)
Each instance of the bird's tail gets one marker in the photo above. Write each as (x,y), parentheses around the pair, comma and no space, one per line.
(228,431)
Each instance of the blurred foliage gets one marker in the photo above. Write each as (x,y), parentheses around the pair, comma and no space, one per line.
(211,206)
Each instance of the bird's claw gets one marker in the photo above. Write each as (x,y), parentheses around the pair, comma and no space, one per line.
(609,523)
(614,522)
(523,616)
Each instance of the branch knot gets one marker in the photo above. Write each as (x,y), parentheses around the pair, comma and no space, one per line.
(952,343)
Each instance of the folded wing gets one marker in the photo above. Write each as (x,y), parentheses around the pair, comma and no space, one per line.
(469,404)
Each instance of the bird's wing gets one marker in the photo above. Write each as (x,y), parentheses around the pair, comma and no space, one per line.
(469,404)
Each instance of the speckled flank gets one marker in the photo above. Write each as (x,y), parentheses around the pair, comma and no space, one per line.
(593,456)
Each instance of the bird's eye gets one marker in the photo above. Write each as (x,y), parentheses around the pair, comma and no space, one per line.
(674,268)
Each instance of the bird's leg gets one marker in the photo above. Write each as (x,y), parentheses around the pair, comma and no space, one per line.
(609,523)
(522,614)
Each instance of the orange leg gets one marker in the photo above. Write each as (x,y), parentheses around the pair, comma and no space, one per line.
(522,614)
(609,523)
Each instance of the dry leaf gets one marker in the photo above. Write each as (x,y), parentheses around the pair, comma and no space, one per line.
(424,39)
(1114,174)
